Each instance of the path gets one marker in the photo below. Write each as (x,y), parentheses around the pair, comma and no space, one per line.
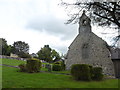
(9,65)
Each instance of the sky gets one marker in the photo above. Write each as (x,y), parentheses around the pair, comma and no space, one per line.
(39,23)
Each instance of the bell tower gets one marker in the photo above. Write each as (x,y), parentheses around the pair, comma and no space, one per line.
(84,24)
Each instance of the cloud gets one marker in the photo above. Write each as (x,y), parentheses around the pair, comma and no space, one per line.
(37,22)
(53,26)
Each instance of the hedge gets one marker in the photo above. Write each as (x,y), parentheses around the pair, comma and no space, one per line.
(56,67)
(97,73)
(33,65)
(22,67)
(81,72)
(61,63)
(86,72)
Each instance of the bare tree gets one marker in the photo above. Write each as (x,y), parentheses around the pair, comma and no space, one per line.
(102,13)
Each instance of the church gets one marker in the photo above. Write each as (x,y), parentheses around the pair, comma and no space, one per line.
(88,48)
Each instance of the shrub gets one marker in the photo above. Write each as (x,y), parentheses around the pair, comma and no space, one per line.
(97,73)
(81,72)
(91,68)
(33,65)
(22,67)
(56,67)
(57,62)
(61,63)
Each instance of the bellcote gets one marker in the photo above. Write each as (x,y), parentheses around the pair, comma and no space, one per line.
(84,23)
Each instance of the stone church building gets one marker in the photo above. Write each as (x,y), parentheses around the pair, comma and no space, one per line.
(88,48)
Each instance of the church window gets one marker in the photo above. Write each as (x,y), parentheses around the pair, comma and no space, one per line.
(85,51)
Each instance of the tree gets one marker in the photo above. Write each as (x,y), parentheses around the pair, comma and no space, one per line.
(21,49)
(55,55)
(47,54)
(21,46)
(102,13)
(5,49)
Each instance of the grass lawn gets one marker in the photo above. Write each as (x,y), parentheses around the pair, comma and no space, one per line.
(12,62)
(11,78)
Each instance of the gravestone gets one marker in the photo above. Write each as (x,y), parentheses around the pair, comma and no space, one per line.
(88,48)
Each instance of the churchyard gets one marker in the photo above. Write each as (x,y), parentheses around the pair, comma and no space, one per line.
(12,78)
(87,64)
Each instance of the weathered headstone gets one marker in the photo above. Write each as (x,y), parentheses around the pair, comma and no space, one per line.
(88,48)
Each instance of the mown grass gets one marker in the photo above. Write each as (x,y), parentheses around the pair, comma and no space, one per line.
(13,79)
(12,62)
(15,62)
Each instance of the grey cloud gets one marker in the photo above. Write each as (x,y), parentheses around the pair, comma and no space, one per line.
(61,49)
(53,26)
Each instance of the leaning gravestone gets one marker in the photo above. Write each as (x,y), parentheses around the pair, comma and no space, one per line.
(88,48)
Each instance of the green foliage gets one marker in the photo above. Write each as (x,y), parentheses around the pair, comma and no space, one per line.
(56,67)
(47,54)
(33,65)
(55,55)
(81,72)
(61,63)
(22,67)
(91,68)
(24,55)
(5,49)
(86,72)
(21,49)
(97,73)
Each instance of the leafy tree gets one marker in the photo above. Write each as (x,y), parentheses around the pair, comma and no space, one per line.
(5,49)
(55,55)
(21,49)
(102,13)
(24,55)
(21,46)
(9,47)
(47,54)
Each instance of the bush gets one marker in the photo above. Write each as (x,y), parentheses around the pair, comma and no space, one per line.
(33,65)
(57,62)
(81,72)
(97,73)
(61,63)
(24,55)
(22,67)
(56,67)
(91,68)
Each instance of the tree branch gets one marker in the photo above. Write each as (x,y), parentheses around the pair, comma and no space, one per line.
(97,4)
(103,17)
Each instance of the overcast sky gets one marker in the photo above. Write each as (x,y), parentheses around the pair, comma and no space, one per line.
(39,22)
